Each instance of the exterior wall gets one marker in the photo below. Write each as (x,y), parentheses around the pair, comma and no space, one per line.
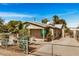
(52,31)
(35,33)
(34,27)
(57,33)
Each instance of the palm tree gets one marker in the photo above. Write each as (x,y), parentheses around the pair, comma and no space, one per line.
(62,21)
(56,19)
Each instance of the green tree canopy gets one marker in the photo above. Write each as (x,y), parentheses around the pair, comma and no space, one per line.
(14,26)
(1,25)
(57,20)
(62,21)
(44,20)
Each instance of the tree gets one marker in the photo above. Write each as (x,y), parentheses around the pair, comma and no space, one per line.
(44,20)
(14,26)
(62,21)
(1,21)
(1,25)
(56,19)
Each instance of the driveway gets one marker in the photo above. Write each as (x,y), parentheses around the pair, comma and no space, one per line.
(64,47)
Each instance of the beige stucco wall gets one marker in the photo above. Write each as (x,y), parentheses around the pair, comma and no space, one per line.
(33,27)
(52,31)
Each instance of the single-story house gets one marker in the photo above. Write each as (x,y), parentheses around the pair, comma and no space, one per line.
(39,31)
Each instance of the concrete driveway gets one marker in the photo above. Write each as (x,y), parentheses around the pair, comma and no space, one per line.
(64,47)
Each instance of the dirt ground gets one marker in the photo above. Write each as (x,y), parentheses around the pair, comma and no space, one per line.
(16,51)
(11,51)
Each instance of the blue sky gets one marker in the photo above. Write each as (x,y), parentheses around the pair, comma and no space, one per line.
(27,11)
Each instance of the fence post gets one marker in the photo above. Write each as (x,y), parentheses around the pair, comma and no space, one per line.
(52,49)
(27,46)
(26,51)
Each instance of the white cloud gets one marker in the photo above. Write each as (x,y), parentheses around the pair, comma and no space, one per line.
(7,16)
(11,14)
